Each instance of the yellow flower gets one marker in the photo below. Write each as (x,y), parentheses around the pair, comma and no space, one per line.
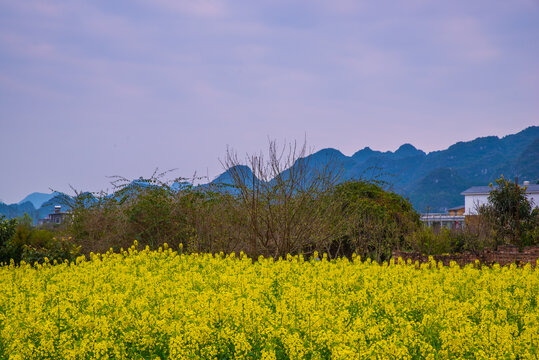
(166,304)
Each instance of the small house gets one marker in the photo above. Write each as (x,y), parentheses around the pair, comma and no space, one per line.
(476,196)
(57,217)
(456,211)
(453,219)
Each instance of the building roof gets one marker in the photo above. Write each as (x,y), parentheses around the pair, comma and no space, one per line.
(480,190)
(456,208)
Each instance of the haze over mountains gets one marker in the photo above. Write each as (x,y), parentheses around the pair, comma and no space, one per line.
(431,181)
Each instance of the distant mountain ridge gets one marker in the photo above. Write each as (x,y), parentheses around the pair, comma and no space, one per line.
(435,180)
(36,205)
(37,199)
(431,181)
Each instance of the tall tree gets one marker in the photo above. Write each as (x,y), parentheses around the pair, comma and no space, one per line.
(509,211)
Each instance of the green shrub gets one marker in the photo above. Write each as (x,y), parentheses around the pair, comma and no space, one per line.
(52,249)
(30,244)
(8,228)
(426,241)
(509,213)
(373,221)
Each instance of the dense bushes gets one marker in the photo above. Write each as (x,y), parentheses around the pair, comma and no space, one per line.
(276,206)
(270,218)
(7,229)
(373,221)
(20,241)
(427,241)
(352,217)
(200,219)
(510,215)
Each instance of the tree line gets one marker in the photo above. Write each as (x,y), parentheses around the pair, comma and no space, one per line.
(270,205)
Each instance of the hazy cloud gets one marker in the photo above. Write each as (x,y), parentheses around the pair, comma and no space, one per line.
(198,8)
(467,41)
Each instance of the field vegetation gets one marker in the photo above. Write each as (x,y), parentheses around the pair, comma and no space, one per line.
(169,304)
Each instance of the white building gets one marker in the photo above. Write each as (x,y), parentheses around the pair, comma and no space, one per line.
(478,195)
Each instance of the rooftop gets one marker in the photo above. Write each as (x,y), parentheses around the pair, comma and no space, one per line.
(531,188)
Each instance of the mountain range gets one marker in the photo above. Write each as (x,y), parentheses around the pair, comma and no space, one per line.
(36,205)
(431,181)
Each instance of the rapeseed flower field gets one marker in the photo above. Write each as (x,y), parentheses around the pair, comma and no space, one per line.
(166,304)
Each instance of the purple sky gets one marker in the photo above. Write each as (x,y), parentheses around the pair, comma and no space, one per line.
(96,88)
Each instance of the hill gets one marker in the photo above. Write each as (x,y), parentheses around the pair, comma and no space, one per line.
(37,199)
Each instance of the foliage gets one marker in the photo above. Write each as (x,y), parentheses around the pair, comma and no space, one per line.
(531,235)
(30,244)
(474,238)
(167,304)
(426,241)
(45,248)
(510,213)
(154,218)
(153,212)
(278,205)
(7,229)
(373,221)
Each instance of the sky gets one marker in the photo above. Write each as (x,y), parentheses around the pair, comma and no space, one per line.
(92,89)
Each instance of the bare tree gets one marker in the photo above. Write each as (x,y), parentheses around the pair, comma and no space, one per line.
(282,198)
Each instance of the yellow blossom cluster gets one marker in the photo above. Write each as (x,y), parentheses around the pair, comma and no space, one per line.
(169,305)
